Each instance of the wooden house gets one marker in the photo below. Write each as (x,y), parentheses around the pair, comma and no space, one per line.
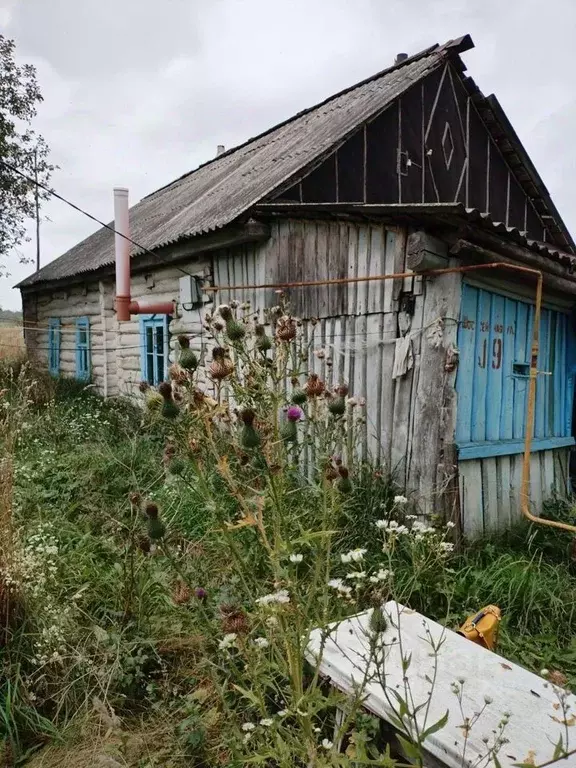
(411,168)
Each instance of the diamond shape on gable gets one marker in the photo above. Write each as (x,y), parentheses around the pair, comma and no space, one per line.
(447,145)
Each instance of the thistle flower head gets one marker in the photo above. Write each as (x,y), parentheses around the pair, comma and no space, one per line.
(225,312)
(294,413)
(151,510)
(247,415)
(165,389)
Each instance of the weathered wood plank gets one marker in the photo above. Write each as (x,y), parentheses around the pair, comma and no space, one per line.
(471,498)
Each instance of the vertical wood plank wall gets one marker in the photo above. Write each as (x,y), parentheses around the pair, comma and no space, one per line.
(408,420)
(490,488)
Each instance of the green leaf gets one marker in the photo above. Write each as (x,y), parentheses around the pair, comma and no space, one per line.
(248,695)
(410,750)
(559,749)
(436,726)
(406,661)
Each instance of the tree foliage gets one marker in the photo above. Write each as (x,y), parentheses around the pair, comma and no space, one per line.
(20,146)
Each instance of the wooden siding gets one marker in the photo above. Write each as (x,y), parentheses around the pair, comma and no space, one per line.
(490,488)
(307,251)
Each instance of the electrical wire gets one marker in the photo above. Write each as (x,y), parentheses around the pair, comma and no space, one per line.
(94,218)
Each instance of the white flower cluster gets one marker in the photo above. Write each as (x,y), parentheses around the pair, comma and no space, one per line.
(418,530)
(228,641)
(281,597)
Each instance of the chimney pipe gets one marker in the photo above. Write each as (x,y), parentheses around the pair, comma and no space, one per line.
(400,57)
(122,248)
(220,149)
(124,306)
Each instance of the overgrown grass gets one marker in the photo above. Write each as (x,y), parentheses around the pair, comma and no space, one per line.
(110,636)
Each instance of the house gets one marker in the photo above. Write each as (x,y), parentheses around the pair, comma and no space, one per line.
(410,169)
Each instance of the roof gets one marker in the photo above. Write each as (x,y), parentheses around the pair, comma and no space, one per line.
(220,191)
(451,214)
(226,188)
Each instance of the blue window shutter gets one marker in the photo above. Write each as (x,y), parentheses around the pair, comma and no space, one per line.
(83,348)
(54,334)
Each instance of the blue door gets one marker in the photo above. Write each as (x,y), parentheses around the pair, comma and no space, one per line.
(494,338)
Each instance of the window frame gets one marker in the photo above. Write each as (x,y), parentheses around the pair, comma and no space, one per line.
(54,338)
(154,322)
(83,372)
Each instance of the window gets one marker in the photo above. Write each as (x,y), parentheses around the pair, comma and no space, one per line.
(54,345)
(494,338)
(83,348)
(154,348)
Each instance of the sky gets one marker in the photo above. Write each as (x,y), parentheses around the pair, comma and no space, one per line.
(138,92)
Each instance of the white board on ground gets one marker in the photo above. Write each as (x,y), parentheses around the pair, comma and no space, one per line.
(535,724)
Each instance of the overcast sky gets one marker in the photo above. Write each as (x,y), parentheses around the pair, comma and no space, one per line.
(137,92)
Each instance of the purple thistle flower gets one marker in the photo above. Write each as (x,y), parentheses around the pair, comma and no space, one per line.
(200,593)
(294,413)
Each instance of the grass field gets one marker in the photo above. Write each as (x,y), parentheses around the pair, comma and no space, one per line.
(11,342)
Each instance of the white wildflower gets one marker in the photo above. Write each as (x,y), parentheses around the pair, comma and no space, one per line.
(248,726)
(400,500)
(411,517)
(227,641)
(356,575)
(544,672)
(261,642)
(296,558)
(382,575)
(247,737)
(354,556)
(446,546)
(381,524)
(450,524)
(283,713)
(340,587)
(272,621)
(327,744)
(266,722)
(282,596)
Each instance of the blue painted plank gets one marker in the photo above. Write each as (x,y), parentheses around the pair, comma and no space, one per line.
(508,358)
(563,375)
(540,411)
(554,393)
(510,447)
(521,354)
(494,368)
(465,374)
(481,363)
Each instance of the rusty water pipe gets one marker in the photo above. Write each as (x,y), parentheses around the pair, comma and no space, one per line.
(531,405)
(125,307)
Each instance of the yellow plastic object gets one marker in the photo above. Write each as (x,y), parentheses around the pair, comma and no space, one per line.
(482,628)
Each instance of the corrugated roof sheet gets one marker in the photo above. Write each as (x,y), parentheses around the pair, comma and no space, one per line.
(218,192)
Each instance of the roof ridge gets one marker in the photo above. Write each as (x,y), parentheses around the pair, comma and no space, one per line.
(457,45)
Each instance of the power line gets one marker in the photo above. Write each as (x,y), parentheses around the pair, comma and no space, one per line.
(94,218)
